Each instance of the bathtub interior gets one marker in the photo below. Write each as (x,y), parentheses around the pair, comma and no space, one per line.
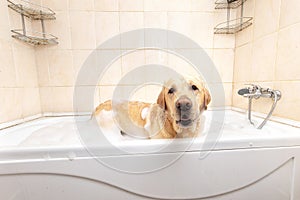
(74,134)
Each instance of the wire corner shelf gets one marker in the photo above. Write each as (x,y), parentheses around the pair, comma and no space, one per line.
(33,12)
(228,4)
(233,26)
(34,38)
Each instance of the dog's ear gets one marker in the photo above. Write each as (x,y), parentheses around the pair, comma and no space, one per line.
(206,99)
(161,101)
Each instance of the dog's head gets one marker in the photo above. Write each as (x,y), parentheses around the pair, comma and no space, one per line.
(184,100)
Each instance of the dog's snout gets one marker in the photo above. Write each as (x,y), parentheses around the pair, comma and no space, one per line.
(184,104)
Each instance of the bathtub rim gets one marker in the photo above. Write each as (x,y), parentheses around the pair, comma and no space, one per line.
(9,124)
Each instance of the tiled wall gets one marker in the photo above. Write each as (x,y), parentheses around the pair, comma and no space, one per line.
(83,25)
(268,54)
(19,92)
(41,79)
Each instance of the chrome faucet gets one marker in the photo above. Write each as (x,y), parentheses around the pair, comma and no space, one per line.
(255,91)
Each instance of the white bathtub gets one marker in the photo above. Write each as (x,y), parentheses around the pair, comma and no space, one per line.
(46,159)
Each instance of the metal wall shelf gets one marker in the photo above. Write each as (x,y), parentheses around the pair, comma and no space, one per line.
(34,38)
(233,26)
(33,12)
(223,4)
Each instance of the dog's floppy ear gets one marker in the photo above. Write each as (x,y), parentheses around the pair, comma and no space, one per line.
(206,99)
(161,101)
(204,93)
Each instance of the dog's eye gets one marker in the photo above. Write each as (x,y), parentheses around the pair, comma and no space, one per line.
(194,87)
(171,91)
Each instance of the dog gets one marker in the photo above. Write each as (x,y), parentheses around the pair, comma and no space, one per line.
(176,114)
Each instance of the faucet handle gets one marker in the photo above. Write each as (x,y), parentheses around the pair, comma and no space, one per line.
(254,91)
(254,87)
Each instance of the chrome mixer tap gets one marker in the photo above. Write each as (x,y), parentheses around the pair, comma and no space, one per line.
(255,92)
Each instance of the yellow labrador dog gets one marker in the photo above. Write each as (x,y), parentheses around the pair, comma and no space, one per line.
(175,114)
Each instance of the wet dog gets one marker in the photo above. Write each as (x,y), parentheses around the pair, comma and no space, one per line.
(175,114)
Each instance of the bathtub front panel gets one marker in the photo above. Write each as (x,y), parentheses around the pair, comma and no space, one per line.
(267,173)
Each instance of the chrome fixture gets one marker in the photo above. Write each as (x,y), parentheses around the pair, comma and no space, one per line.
(235,25)
(255,91)
(33,12)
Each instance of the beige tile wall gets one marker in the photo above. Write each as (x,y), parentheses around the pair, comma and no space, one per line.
(81,27)
(42,79)
(268,54)
(19,90)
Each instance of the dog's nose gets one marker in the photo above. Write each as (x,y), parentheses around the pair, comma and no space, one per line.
(184,104)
